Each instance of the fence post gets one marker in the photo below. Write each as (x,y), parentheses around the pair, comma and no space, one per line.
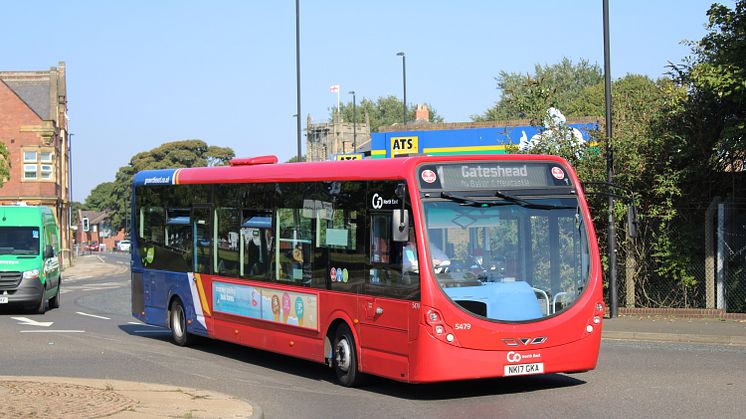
(710,253)
(721,266)
(630,273)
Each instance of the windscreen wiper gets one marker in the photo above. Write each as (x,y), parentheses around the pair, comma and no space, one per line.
(531,205)
(505,200)
(466,202)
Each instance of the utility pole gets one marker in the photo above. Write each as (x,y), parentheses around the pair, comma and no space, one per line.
(297,72)
(613,298)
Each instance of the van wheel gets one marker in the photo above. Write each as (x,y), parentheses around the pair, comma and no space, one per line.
(42,308)
(178,325)
(345,358)
(54,302)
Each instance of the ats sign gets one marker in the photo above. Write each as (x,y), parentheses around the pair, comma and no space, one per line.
(404,145)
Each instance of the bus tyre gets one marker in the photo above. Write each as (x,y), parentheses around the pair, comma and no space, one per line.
(54,302)
(178,324)
(345,358)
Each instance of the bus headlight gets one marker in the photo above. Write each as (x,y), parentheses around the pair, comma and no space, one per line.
(32,274)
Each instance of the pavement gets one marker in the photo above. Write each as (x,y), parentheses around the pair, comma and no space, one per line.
(88,398)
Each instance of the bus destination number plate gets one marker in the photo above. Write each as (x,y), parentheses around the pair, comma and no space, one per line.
(3,299)
(524,369)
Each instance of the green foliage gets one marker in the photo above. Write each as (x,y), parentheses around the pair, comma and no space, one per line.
(715,75)
(386,110)
(526,96)
(114,197)
(4,164)
(101,197)
(294,159)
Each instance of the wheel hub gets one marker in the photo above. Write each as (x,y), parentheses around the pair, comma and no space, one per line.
(342,355)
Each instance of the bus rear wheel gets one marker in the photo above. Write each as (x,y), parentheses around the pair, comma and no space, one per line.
(178,324)
(345,358)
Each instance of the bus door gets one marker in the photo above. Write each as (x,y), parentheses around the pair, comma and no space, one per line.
(202,235)
(385,305)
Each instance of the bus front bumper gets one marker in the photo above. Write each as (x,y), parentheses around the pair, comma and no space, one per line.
(440,361)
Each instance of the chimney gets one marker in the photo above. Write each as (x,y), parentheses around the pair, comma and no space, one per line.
(422,114)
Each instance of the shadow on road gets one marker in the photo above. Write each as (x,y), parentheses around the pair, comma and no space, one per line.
(318,372)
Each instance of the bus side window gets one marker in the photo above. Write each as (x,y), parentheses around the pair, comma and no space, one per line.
(257,244)
(380,239)
(393,265)
(227,255)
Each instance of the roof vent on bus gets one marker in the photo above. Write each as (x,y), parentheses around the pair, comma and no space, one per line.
(251,161)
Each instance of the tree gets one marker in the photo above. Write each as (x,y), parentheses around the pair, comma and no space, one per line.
(294,159)
(101,197)
(529,96)
(4,164)
(114,197)
(386,110)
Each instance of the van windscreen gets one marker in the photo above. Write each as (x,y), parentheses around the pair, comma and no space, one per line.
(19,240)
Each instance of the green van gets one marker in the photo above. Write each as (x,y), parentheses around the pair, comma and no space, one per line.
(29,267)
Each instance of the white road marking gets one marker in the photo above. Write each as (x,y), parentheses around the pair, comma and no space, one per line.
(92,315)
(52,331)
(28,322)
(101,259)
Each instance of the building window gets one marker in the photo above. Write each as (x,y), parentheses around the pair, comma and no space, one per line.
(38,165)
(46,171)
(30,171)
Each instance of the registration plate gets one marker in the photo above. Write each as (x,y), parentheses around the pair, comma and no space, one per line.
(524,369)
(3,299)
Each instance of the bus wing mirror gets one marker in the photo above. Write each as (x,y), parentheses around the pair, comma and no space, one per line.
(48,252)
(400,225)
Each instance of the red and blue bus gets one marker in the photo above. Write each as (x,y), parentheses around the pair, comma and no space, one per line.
(418,269)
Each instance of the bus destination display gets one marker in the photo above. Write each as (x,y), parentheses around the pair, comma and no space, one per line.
(493,176)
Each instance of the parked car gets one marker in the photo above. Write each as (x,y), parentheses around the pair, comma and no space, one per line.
(123,246)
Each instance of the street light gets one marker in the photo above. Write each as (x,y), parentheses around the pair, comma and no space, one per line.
(297,74)
(404,77)
(354,123)
(613,299)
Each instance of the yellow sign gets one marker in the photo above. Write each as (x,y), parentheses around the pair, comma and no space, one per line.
(404,145)
(356,156)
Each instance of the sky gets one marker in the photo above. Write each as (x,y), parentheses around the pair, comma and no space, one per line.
(144,72)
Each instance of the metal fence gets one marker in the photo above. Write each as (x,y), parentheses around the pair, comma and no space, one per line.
(702,275)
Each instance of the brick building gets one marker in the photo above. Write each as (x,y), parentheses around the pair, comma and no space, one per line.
(99,232)
(33,126)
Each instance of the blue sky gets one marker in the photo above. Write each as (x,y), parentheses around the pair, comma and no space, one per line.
(141,73)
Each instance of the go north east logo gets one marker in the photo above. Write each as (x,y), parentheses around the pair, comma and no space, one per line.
(158,180)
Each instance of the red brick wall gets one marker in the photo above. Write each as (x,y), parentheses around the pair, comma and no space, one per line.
(14,114)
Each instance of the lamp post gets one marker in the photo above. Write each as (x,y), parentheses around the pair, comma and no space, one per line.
(613,303)
(297,72)
(354,123)
(404,78)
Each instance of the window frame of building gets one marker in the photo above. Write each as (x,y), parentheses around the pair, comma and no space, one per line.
(38,165)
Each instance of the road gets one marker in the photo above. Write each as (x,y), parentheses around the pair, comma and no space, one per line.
(94,336)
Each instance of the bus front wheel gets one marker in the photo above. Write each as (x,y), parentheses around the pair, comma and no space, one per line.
(345,358)
(178,324)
